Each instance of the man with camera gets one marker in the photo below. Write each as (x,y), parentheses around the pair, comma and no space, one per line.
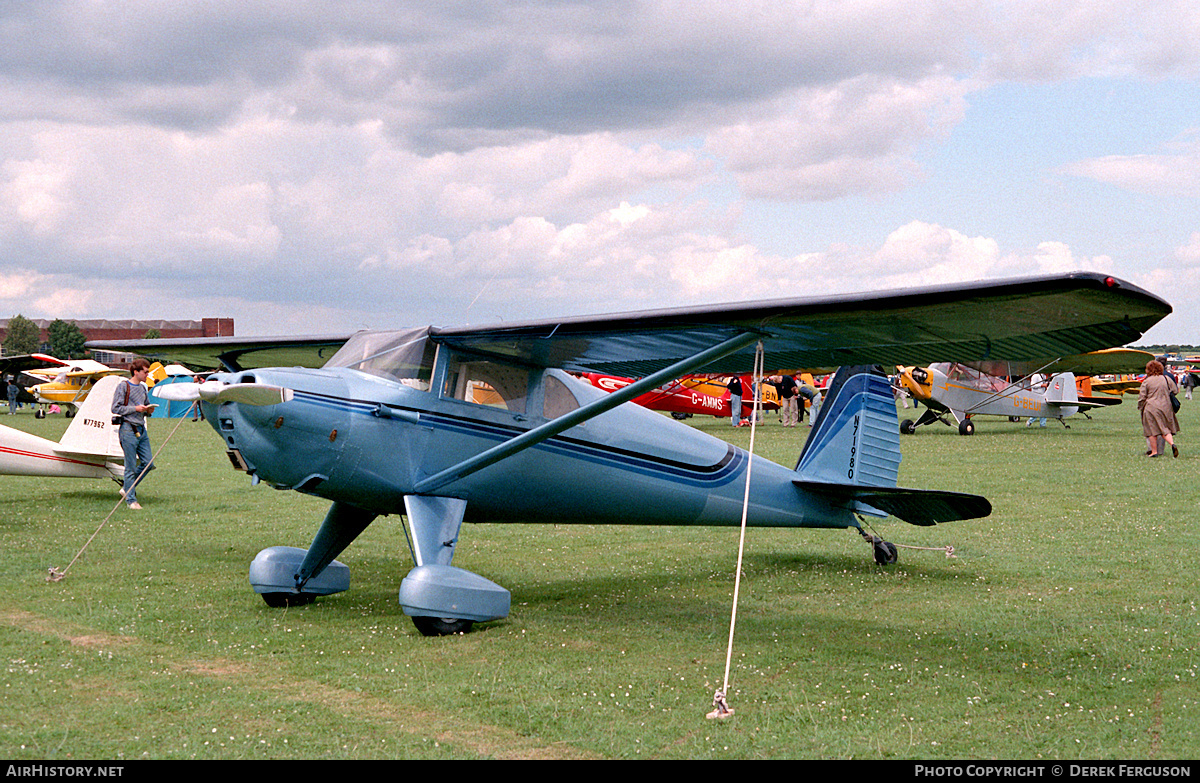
(130,407)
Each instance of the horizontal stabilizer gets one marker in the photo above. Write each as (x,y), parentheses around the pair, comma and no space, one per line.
(922,507)
(852,456)
(1097,402)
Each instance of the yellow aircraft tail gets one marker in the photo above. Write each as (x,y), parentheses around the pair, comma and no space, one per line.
(157,373)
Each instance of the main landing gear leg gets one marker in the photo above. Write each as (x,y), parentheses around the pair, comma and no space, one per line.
(289,576)
(928,416)
(440,598)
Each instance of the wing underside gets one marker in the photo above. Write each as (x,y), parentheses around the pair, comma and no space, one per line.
(234,353)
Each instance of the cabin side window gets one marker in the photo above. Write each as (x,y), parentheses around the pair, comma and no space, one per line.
(489,383)
(557,398)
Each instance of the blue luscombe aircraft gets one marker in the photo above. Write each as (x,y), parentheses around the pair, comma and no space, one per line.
(446,425)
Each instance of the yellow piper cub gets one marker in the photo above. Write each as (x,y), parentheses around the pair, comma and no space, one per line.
(1037,389)
(68,386)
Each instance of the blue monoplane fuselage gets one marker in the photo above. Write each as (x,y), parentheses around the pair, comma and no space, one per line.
(368,441)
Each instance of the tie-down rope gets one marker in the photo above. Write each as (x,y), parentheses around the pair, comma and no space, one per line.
(721,708)
(56,574)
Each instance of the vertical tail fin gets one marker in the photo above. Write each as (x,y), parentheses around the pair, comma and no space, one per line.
(92,430)
(855,439)
(158,373)
(1062,390)
(853,456)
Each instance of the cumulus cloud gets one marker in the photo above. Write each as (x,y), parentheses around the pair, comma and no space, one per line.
(1189,254)
(397,163)
(855,137)
(1031,40)
(1174,171)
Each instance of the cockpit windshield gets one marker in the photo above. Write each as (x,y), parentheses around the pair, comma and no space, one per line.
(970,377)
(405,356)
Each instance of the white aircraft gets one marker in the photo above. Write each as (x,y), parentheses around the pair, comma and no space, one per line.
(88,449)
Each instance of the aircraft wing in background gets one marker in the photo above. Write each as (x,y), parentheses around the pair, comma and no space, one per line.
(1112,361)
(233,353)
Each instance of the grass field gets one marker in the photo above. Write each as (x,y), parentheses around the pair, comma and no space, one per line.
(1065,626)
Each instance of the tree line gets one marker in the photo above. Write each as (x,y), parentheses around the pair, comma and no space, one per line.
(24,336)
(1159,350)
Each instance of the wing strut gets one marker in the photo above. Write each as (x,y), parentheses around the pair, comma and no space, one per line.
(1012,386)
(580,415)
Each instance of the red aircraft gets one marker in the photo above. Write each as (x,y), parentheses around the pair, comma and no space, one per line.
(689,396)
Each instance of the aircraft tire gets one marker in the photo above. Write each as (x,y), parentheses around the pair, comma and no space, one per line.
(908,427)
(284,600)
(966,427)
(886,553)
(441,626)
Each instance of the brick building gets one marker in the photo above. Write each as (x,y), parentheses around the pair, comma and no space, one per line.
(106,329)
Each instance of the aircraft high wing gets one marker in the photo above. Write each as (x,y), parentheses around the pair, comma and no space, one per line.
(1110,361)
(236,353)
(394,422)
(17,366)
(1011,320)
(11,365)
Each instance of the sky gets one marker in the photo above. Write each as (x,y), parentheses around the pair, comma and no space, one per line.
(322,167)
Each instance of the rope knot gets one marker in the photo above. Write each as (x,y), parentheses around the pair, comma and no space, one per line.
(721,708)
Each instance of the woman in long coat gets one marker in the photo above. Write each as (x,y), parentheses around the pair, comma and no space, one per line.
(1154,401)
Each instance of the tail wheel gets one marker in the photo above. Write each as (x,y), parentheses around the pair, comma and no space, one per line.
(886,553)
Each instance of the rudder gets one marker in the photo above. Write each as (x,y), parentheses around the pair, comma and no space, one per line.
(1061,390)
(855,439)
